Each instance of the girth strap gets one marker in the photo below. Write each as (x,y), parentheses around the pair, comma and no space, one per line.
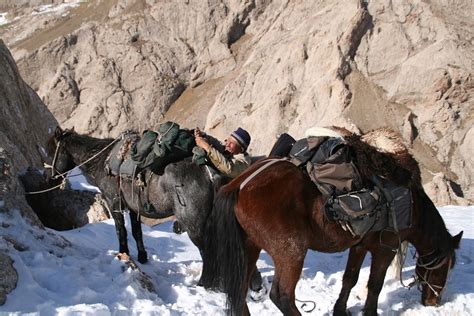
(262,167)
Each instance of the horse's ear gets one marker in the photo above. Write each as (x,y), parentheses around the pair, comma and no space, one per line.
(58,132)
(456,240)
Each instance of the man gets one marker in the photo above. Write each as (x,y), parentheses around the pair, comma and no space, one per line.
(231,161)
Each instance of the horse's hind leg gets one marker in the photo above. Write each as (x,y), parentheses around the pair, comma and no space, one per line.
(256,283)
(381,259)
(138,235)
(349,280)
(287,274)
(254,278)
(252,256)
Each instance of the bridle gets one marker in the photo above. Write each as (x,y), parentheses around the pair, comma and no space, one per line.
(58,145)
(429,267)
(55,174)
(53,164)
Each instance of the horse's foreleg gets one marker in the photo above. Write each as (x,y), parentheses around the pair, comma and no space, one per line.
(380,262)
(121,231)
(287,274)
(349,280)
(138,235)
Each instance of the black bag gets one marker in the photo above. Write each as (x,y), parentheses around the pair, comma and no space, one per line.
(332,168)
(282,146)
(354,204)
(304,149)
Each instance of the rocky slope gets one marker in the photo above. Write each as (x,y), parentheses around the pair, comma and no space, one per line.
(25,126)
(21,109)
(269,66)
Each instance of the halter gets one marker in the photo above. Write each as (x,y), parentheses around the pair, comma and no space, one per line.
(429,267)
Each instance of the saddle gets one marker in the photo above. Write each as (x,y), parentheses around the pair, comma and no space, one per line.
(119,162)
(357,202)
(140,158)
(152,151)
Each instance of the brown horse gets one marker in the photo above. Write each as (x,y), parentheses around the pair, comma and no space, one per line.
(279,209)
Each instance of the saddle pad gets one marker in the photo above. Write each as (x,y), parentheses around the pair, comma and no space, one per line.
(127,168)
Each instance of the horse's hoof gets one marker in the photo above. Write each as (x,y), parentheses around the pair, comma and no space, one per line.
(341,312)
(258,295)
(177,228)
(142,257)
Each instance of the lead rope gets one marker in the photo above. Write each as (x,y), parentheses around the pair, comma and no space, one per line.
(304,305)
(401,257)
(63,175)
(91,158)
(61,185)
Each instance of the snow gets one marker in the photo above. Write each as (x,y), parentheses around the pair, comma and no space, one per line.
(58,9)
(3,18)
(79,182)
(77,272)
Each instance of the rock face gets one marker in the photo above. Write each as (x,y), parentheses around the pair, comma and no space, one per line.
(25,123)
(21,110)
(8,277)
(268,66)
(24,119)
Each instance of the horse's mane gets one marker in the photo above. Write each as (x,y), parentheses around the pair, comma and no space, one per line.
(86,141)
(382,152)
(435,228)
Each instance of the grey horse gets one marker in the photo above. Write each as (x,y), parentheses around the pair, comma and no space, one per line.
(183,189)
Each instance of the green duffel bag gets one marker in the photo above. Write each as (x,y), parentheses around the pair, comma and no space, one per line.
(167,134)
(143,147)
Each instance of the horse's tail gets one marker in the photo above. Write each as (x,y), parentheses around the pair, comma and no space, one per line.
(224,256)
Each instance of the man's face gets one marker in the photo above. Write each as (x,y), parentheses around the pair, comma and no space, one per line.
(232,146)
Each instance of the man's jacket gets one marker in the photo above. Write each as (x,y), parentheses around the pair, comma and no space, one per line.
(230,165)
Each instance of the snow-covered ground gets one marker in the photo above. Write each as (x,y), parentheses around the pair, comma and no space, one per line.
(81,275)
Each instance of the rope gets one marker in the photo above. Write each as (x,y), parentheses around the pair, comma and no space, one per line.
(401,257)
(160,136)
(304,305)
(211,178)
(91,158)
(62,184)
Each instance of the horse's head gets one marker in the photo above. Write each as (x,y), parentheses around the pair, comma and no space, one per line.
(62,160)
(432,271)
